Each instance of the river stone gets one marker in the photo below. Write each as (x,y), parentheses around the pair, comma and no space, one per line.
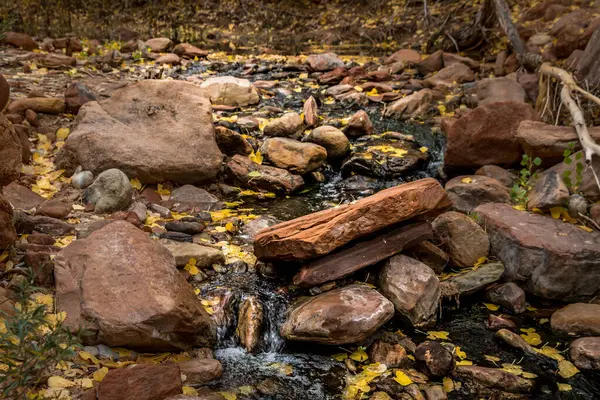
(407,56)
(190,197)
(139,382)
(47,105)
(231,143)
(10,152)
(230,91)
(332,139)
(414,105)
(555,260)
(434,359)
(495,378)
(324,62)
(500,174)
(5,92)
(579,318)
(311,112)
(159,45)
(494,90)
(586,183)
(123,288)
(450,76)
(346,315)
(508,295)
(252,227)
(82,179)
(293,155)
(472,280)
(8,235)
(182,252)
(322,232)
(468,192)
(430,255)
(585,353)
(485,135)
(289,125)
(250,320)
(461,237)
(186,50)
(200,371)
(21,197)
(76,95)
(111,191)
(17,39)
(412,286)
(54,208)
(392,355)
(153,130)
(359,124)
(263,177)
(549,191)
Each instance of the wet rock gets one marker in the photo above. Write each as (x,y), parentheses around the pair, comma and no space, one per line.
(231,142)
(269,178)
(451,76)
(579,318)
(159,45)
(508,295)
(288,125)
(549,191)
(82,179)
(494,90)
(293,155)
(472,280)
(10,152)
(164,212)
(500,174)
(411,106)
(586,183)
(21,40)
(111,191)
(585,353)
(164,133)
(189,227)
(205,256)
(486,135)
(406,56)
(140,382)
(464,240)
(363,254)
(496,322)
(22,198)
(434,359)
(250,322)
(172,59)
(435,392)
(324,62)
(515,340)
(468,192)
(252,228)
(359,124)
(332,139)
(76,95)
(25,223)
(47,105)
(123,288)
(200,371)
(392,355)
(192,198)
(412,286)
(556,260)
(345,315)
(430,255)
(548,142)
(8,235)
(230,91)
(311,112)
(432,63)
(54,208)
(578,205)
(320,233)
(495,378)
(186,50)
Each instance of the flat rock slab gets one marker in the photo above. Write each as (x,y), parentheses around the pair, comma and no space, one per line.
(320,233)
(473,280)
(579,318)
(556,260)
(345,262)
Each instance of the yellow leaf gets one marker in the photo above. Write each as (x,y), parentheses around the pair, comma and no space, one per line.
(423,149)
(44,299)
(461,354)
(564,387)
(256,157)
(89,357)
(339,357)
(372,92)
(402,378)
(528,375)
(58,382)
(228,395)
(254,174)
(448,385)
(466,180)
(555,212)
(359,355)
(520,207)
(566,369)
(531,336)
(435,335)
(531,308)
(85,383)
(192,269)
(464,362)
(162,191)
(585,228)
(493,359)
(100,374)
(491,307)
(62,133)
(136,184)
(551,352)
(230,227)
(189,391)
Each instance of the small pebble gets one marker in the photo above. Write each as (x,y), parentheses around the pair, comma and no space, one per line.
(82,180)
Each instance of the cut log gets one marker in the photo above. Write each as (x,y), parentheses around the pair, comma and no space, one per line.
(320,233)
(345,262)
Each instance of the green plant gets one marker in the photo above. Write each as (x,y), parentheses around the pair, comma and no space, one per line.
(520,191)
(32,342)
(579,166)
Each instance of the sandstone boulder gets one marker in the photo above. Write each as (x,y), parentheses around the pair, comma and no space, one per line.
(159,45)
(346,315)
(332,139)
(48,105)
(451,76)
(407,56)
(76,95)
(289,125)
(468,192)
(585,353)
(324,62)
(461,237)
(359,124)
(293,155)
(230,91)
(21,40)
(186,50)
(154,130)
(8,235)
(123,288)
(494,90)
(579,318)
(548,192)
(111,191)
(411,106)
(10,152)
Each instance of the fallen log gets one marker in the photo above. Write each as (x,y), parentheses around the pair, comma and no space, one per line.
(347,261)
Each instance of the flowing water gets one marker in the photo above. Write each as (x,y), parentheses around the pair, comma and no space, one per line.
(284,371)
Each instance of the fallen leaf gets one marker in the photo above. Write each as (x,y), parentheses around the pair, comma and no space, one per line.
(340,357)
(564,387)
(189,391)
(359,355)
(464,362)
(423,149)
(491,307)
(448,385)
(402,378)
(254,174)
(58,382)
(228,395)
(566,369)
(467,180)
(493,359)
(435,335)
(100,374)
(461,354)
(62,133)
(136,184)
(585,228)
